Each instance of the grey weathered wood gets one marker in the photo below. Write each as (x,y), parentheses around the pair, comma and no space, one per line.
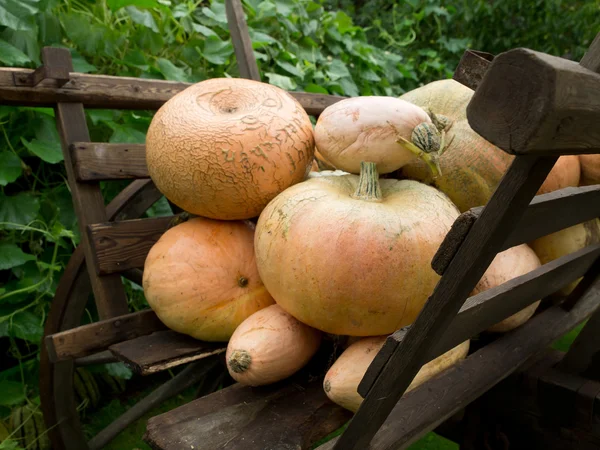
(472,67)
(533,103)
(124,245)
(423,408)
(87,199)
(547,213)
(479,248)
(103,91)
(487,308)
(240,37)
(162,350)
(98,358)
(180,382)
(285,415)
(97,161)
(58,71)
(98,336)
(591,59)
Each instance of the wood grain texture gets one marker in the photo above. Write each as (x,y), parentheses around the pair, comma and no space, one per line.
(423,408)
(163,350)
(472,67)
(240,37)
(109,294)
(124,245)
(285,415)
(97,358)
(487,308)
(591,59)
(95,337)
(98,161)
(58,71)
(103,91)
(479,248)
(533,103)
(189,376)
(547,213)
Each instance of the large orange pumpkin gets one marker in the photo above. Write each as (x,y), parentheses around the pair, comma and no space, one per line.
(201,278)
(590,169)
(352,255)
(223,148)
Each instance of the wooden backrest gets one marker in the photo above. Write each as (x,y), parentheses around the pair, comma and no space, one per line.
(537,107)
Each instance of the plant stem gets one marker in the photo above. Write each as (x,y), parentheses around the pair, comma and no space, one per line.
(368,188)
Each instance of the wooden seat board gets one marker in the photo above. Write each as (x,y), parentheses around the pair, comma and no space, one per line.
(279,416)
(162,350)
(97,161)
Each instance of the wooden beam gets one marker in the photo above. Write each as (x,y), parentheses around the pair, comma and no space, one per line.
(547,213)
(124,245)
(163,350)
(97,358)
(487,308)
(472,67)
(103,91)
(109,294)
(425,407)
(98,336)
(533,103)
(98,161)
(240,37)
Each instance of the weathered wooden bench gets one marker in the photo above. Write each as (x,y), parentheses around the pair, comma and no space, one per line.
(295,413)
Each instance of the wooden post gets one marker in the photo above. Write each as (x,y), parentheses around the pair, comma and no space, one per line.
(241,40)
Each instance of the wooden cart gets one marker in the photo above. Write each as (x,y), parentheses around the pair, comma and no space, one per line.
(532,105)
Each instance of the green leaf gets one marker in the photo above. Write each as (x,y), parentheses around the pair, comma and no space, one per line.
(13,393)
(349,87)
(11,55)
(27,326)
(17,15)
(10,167)
(118,4)
(204,31)
(281,81)
(48,151)
(217,51)
(337,69)
(81,65)
(315,88)
(9,444)
(125,134)
(294,70)
(160,208)
(216,12)
(17,209)
(170,70)
(144,18)
(12,256)
(119,370)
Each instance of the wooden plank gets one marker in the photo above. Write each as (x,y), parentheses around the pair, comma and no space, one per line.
(109,294)
(472,67)
(591,59)
(98,358)
(285,415)
(547,213)
(423,408)
(533,103)
(162,350)
(189,376)
(97,161)
(124,245)
(481,245)
(240,37)
(58,73)
(487,308)
(98,336)
(103,91)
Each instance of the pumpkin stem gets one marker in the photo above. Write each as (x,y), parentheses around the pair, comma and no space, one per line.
(368,184)
(239,361)
(181,218)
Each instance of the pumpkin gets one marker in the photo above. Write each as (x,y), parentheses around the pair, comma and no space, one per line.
(590,169)
(509,264)
(566,241)
(351,255)
(342,379)
(385,130)
(224,147)
(201,278)
(269,346)
(565,173)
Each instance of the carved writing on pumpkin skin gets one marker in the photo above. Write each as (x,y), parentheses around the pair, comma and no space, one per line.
(258,151)
(244,156)
(293,169)
(229,155)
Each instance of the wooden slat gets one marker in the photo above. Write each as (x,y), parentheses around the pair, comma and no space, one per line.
(87,199)
(591,59)
(547,213)
(240,37)
(98,358)
(103,91)
(533,103)
(124,245)
(162,350)
(96,337)
(192,374)
(487,308)
(97,161)
(425,407)
(481,245)
(472,67)
(286,415)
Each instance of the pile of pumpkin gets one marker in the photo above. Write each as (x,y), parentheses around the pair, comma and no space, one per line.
(293,235)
